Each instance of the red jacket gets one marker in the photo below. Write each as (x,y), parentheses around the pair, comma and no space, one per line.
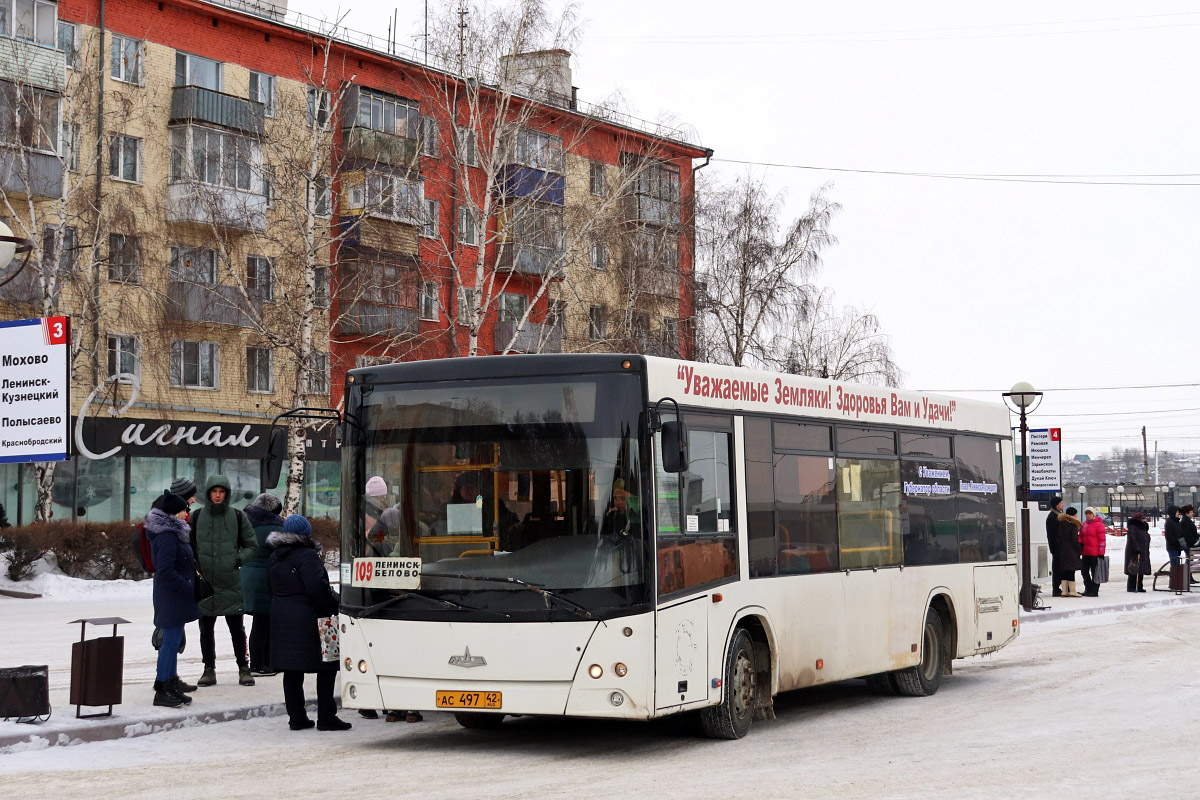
(1092,537)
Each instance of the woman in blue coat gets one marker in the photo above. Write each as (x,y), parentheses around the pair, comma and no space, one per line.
(300,595)
(174,592)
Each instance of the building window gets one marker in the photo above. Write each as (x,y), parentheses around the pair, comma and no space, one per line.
(466,225)
(318,373)
(599,255)
(538,150)
(640,325)
(195,365)
(197,71)
(386,114)
(29,118)
(124,258)
(125,158)
(395,198)
(260,278)
(123,357)
(430,229)
(34,21)
(68,43)
(318,107)
(262,90)
(466,305)
(320,287)
(464,146)
(68,145)
(671,335)
(260,369)
(429,300)
(320,199)
(429,137)
(599,181)
(597,323)
(512,307)
(66,257)
(556,316)
(216,158)
(194,265)
(128,58)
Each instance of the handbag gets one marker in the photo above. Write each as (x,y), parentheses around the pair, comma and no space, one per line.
(157,637)
(1134,566)
(203,588)
(1100,573)
(327,632)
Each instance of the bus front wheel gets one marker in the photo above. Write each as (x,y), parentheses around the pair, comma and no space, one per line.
(478,720)
(924,679)
(732,717)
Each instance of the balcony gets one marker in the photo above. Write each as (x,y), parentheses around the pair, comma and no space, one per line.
(657,282)
(221,305)
(644,208)
(516,180)
(370,319)
(201,204)
(366,146)
(532,338)
(528,259)
(31,64)
(196,104)
(26,172)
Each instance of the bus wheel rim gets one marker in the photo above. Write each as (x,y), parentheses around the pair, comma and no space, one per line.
(929,663)
(743,689)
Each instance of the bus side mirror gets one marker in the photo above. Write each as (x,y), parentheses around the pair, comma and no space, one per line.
(276,453)
(674,446)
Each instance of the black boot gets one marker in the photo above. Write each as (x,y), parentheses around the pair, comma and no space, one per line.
(333,724)
(165,697)
(180,687)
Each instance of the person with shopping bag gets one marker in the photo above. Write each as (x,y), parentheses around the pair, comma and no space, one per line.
(1137,553)
(303,638)
(1092,539)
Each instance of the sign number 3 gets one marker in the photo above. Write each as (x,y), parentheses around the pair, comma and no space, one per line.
(56,328)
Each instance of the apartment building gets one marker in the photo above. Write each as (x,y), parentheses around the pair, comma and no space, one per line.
(236,205)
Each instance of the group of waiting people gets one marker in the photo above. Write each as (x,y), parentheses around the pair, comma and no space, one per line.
(255,562)
(1075,546)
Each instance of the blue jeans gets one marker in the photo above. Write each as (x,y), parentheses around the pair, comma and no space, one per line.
(168,653)
(1176,557)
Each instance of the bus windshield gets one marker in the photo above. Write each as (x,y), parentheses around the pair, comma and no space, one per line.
(498,488)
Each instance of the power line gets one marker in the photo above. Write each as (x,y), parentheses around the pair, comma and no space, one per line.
(1016,178)
(1123,413)
(1071,388)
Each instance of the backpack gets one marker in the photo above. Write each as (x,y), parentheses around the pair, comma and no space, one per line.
(140,543)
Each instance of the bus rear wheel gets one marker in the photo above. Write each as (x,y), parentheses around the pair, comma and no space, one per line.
(924,679)
(731,718)
(479,721)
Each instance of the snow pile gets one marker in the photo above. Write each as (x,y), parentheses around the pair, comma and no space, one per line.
(49,581)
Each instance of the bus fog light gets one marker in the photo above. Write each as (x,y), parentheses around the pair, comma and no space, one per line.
(616,698)
(362,666)
(620,669)
(353,691)
(349,664)
(595,670)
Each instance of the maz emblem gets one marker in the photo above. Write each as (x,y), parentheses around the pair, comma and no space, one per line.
(468,660)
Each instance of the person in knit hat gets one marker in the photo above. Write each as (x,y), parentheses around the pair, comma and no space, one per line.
(263,513)
(174,595)
(300,595)
(1056,508)
(180,487)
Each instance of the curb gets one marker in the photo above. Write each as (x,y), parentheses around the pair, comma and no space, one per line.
(122,729)
(1165,602)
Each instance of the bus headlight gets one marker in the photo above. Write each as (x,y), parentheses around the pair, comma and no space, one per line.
(362,666)
(620,669)
(349,664)
(595,670)
(616,698)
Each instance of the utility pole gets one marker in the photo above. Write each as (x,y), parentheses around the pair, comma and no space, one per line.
(1145,456)
(462,29)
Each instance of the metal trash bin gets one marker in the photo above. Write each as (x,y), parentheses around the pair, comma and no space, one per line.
(25,693)
(97,668)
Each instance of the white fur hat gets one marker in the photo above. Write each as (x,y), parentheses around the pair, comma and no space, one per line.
(376,487)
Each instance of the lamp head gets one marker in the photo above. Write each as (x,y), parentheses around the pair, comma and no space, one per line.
(1023,394)
(7,249)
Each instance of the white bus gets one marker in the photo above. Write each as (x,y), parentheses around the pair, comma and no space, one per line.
(521,537)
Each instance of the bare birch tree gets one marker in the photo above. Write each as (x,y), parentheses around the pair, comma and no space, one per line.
(838,342)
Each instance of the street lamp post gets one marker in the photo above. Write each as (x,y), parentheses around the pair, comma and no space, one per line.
(1082,497)
(9,247)
(1121,502)
(1170,493)
(1025,399)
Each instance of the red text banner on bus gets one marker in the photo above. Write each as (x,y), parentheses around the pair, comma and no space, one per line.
(717,386)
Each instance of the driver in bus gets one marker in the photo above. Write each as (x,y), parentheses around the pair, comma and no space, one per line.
(616,517)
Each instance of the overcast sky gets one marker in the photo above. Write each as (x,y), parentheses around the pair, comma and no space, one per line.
(979,283)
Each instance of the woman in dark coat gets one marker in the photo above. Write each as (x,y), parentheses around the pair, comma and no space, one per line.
(300,595)
(1137,553)
(174,593)
(1070,550)
(1173,534)
(263,514)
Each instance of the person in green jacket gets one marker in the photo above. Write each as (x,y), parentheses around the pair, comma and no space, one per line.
(222,539)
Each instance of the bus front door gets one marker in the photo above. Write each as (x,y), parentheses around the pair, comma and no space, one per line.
(681,653)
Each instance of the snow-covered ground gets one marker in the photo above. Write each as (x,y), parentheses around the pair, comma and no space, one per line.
(1086,705)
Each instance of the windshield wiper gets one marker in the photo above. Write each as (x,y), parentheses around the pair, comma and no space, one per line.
(367,611)
(578,609)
